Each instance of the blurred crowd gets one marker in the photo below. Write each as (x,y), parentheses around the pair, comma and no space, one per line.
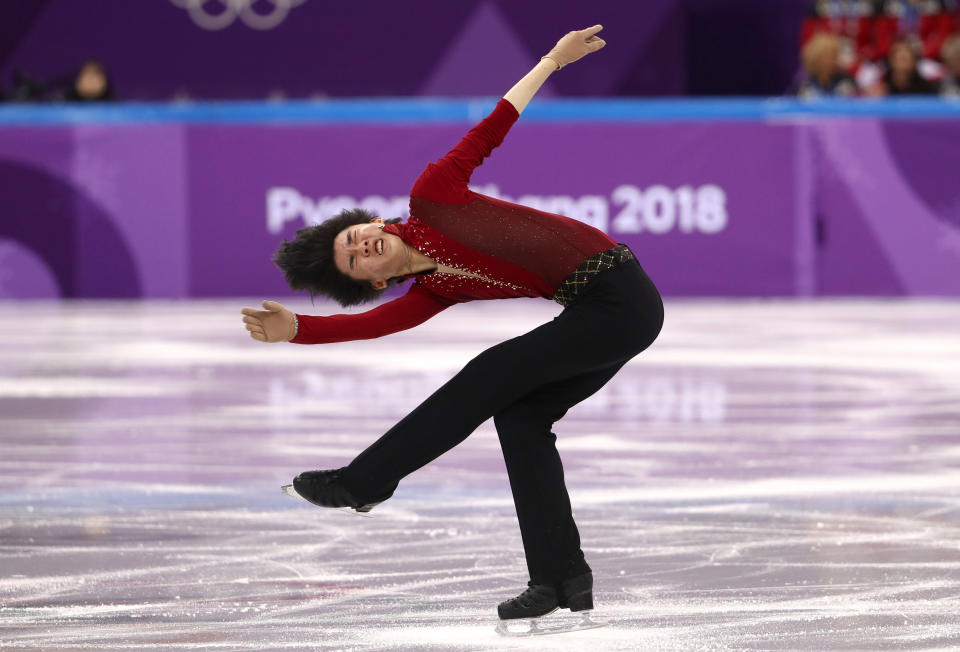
(881,47)
(848,48)
(89,83)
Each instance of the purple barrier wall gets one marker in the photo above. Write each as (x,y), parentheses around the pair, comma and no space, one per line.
(726,209)
(659,190)
(888,203)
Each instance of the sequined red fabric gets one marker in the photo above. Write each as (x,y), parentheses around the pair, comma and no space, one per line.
(507,249)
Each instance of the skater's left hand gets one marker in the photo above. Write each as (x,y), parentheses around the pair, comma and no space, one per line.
(576,45)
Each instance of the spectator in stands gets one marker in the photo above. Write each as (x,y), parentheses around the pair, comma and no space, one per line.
(851,20)
(929,21)
(91,84)
(821,62)
(26,88)
(902,76)
(950,85)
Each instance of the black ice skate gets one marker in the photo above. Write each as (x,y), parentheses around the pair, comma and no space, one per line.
(324,489)
(523,615)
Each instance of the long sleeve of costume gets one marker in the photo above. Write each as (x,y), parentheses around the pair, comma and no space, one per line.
(446,180)
(413,308)
(508,249)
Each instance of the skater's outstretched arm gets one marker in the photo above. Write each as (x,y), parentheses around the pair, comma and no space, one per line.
(277,324)
(446,180)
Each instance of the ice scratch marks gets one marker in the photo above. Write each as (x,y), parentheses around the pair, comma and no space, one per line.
(777,480)
(86,387)
(800,486)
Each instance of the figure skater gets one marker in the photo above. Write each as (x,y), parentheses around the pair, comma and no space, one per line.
(459,246)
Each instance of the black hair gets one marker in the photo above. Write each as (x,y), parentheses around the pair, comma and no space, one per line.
(307,260)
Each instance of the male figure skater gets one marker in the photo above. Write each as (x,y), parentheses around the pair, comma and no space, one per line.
(460,246)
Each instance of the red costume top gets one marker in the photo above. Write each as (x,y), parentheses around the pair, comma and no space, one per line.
(514,250)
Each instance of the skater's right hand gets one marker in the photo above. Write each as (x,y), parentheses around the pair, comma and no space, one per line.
(272,324)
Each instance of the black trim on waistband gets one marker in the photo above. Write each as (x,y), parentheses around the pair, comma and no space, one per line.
(578,279)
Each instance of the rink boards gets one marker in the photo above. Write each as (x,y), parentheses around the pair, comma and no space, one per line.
(717,198)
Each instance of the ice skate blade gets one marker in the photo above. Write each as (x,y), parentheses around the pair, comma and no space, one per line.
(290,491)
(574,622)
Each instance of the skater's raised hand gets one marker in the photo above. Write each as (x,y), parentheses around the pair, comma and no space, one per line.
(571,47)
(575,45)
(272,324)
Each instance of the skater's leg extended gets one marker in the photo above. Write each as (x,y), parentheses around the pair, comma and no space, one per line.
(616,318)
(492,380)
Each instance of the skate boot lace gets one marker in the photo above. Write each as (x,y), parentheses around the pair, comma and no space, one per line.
(534,596)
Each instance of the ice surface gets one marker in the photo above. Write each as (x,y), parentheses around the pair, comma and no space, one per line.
(770,475)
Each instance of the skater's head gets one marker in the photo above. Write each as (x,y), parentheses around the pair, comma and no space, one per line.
(347,258)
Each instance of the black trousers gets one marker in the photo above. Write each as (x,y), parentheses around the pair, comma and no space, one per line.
(526,384)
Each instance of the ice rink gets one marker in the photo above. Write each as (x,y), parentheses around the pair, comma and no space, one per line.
(769,475)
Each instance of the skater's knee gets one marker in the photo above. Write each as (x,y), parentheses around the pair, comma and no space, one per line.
(520,419)
(505,422)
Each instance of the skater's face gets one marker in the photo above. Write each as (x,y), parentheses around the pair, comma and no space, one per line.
(365,253)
